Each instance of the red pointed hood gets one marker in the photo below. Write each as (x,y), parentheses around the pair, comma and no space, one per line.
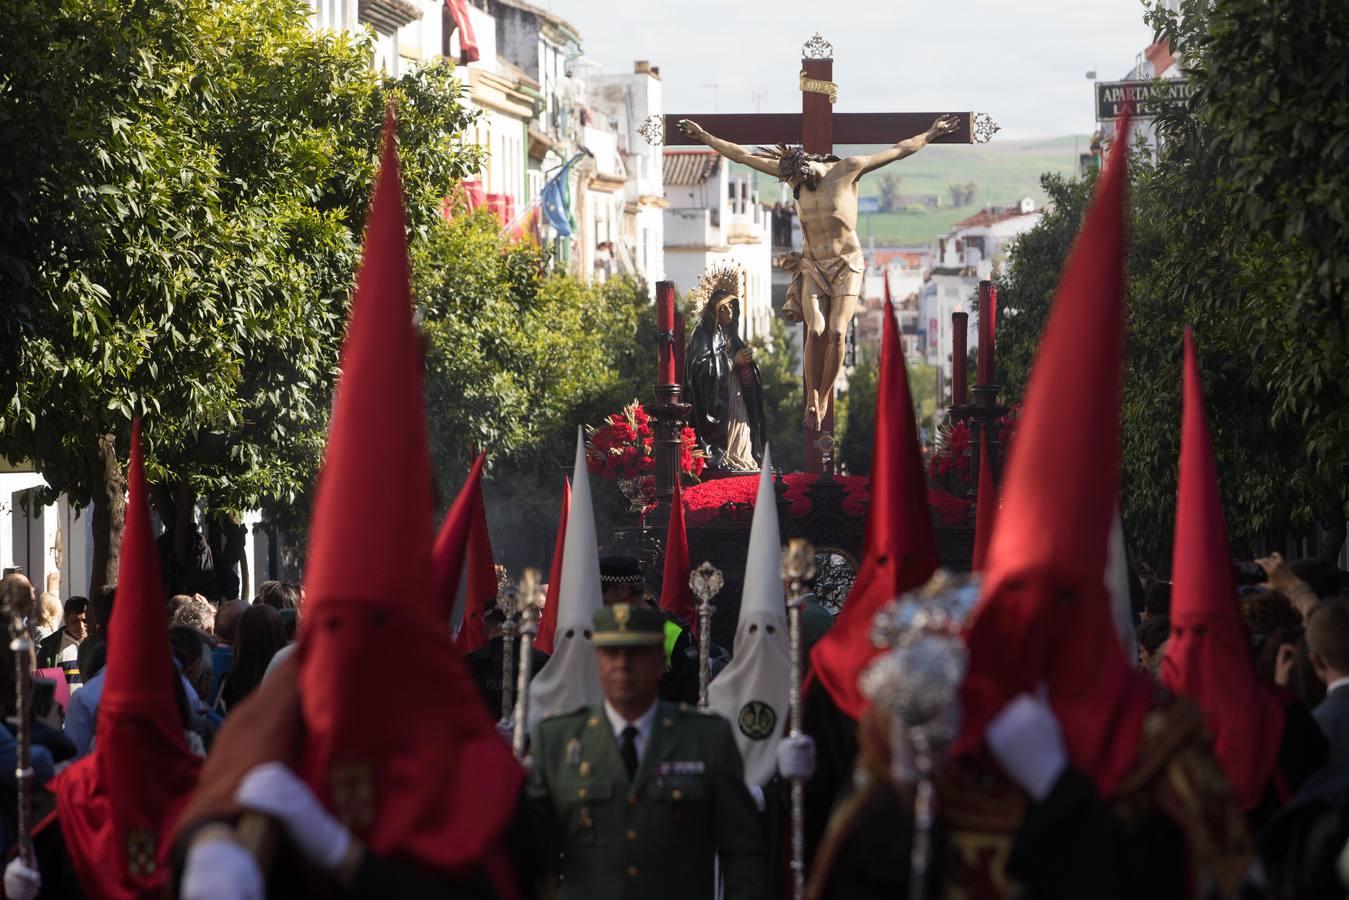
(1208,657)
(464,548)
(116,805)
(675,594)
(451,547)
(427,788)
(986,507)
(901,549)
(548,622)
(480,582)
(1044,616)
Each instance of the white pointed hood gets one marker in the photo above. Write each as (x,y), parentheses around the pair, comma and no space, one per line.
(569,679)
(1117,582)
(751,693)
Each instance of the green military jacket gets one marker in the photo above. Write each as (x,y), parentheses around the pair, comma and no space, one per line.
(654,836)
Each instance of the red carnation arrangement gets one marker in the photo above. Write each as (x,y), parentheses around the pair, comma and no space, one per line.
(951,467)
(623,449)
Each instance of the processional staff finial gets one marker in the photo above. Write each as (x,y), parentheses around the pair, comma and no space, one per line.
(706,582)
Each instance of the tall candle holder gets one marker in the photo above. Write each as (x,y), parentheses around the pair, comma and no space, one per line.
(669,412)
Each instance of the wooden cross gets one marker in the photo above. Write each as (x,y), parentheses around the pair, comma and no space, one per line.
(817,128)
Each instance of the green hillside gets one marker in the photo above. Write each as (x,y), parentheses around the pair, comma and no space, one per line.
(1003,172)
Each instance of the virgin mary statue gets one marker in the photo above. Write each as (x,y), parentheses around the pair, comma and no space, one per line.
(723,379)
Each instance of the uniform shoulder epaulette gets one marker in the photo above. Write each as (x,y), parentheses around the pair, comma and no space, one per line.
(569,714)
(694,712)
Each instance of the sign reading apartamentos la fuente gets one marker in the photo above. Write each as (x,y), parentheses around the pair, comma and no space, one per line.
(1148,97)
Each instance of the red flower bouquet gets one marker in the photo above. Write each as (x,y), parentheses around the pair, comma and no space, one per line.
(951,466)
(623,449)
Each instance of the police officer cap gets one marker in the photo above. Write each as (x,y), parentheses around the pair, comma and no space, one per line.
(620,570)
(628,625)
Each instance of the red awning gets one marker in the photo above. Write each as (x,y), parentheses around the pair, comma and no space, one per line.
(468,42)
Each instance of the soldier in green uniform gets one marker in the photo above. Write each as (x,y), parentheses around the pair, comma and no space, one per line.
(622,582)
(635,797)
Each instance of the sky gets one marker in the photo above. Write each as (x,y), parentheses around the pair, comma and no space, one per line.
(1022,61)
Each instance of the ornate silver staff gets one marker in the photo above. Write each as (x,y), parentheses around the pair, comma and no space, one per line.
(508,602)
(706,582)
(21,643)
(917,683)
(798,567)
(530,595)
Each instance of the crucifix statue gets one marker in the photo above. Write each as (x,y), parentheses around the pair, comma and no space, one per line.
(827,274)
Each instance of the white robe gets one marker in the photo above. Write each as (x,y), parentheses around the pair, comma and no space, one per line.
(751,693)
(570,679)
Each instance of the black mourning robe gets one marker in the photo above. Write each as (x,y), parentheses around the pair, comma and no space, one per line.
(708,373)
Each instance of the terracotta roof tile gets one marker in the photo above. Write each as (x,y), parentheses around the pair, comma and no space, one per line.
(689,167)
(986,217)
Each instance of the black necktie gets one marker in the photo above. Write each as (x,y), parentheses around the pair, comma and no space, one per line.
(629,750)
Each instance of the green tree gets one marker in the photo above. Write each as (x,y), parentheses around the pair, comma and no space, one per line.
(1270,79)
(863,381)
(780,370)
(1028,286)
(517,358)
(891,198)
(923,389)
(855,444)
(1190,262)
(182,246)
(1268,132)
(962,194)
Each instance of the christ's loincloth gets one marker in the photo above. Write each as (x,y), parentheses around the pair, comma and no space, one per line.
(835,276)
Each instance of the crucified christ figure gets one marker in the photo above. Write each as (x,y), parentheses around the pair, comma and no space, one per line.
(827,276)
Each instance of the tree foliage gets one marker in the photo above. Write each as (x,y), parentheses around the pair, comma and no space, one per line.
(1267,132)
(1238,229)
(891,198)
(182,188)
(859,436)
(962,194)
(517,359)
(1272,80)
(779,363)
(1191,261)
(859,432)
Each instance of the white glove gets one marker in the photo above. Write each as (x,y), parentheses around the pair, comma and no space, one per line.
(1025,737)
(21,882)
(796,756)
(273,790)
(220,870)
(756,791)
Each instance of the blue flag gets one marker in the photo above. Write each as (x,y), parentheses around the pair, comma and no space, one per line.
(555,200)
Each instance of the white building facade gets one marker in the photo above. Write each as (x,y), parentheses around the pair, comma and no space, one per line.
(971,252)
(406,31)
(632,220)
(715,219)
